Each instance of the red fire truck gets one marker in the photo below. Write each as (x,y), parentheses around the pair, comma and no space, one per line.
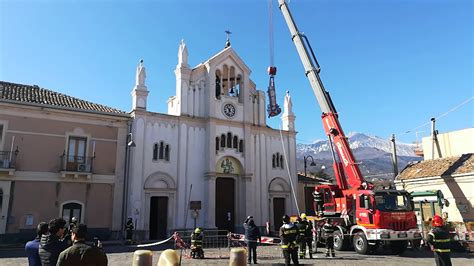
(366,217)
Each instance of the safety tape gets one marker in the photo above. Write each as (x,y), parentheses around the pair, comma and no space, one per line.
(156,243)
(264,239)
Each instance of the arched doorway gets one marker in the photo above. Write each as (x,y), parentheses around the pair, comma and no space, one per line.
(160,191)
(228,171)
(225,203)
(279,192)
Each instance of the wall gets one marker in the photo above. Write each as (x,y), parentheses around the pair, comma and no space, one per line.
(454,143)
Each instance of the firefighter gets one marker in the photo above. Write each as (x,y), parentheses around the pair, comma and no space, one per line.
(129,228)
(328,230)
(300,237)
(308,236)
(197,238)
(439,241)
(288,234)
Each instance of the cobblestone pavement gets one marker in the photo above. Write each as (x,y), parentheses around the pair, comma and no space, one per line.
(119,255)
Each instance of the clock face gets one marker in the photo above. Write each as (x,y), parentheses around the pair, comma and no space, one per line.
(229,110)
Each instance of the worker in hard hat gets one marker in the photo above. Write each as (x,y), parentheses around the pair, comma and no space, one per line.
(305,230)
(197,238)
(440,241)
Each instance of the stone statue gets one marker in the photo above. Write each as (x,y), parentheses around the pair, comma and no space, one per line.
(141,74)
(182,54)
(288,105)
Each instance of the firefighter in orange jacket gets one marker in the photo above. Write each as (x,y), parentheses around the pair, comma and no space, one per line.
(440,242)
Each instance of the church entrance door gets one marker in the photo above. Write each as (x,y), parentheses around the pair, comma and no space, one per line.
(225,203)
(278,212)
(158,217)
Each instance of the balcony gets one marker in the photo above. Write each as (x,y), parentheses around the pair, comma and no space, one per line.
(7,161)
(76,166)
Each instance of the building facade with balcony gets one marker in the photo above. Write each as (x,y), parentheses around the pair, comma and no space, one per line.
(211,160)
(59,157)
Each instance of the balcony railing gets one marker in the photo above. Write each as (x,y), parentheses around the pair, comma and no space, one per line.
(72,163)
(7,159)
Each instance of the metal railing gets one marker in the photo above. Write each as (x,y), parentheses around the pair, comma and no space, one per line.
(7,159)
(73,163)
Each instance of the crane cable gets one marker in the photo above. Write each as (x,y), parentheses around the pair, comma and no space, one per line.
(270,31)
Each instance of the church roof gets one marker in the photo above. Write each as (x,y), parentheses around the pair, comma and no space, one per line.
(229,51)
(32,94)
(443,167)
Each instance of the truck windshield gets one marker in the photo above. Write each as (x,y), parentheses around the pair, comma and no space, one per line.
(392,201)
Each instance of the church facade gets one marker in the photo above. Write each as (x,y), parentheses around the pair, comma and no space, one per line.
(211,160)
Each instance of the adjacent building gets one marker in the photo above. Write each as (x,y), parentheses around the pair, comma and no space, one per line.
(212,157)
(59,157)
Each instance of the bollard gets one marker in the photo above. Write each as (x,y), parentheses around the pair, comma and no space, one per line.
(238,257)
(168,257)
(142,258)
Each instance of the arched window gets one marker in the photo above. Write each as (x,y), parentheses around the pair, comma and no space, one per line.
(235,143)
(223,140)
(273,161)
(161,150)
(241,145)
(71,209)
(229,140)
(1,199)
(281,161)
(167,152)
(278,159)
(155,151)
(217,143)
(218,84)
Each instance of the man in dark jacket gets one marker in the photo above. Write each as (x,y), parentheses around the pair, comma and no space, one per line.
(51,244)
(31,247)
(252,235)
(80,253)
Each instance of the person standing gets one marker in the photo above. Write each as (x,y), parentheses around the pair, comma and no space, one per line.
(80,253)
(129,229)
(305,229)
(328,229)
(32,247)
(252,235)
(440,242)
(288,234)
(197,239)
(51,244)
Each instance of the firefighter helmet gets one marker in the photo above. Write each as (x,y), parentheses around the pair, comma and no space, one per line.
(437,221)
(197,230)
(286,219)
(303,215)
(74,219)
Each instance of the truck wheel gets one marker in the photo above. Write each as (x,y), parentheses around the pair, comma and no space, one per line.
(398,247)
(360,243)
(340,243)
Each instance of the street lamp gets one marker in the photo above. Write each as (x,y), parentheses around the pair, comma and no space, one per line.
(129,144)
(312,162)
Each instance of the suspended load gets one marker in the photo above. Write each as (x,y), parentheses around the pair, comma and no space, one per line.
(273,109)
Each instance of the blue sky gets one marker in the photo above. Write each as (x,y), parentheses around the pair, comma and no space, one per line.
(389,65)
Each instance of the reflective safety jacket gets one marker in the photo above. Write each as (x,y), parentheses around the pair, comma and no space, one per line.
(129,225)
(439,239)
(288,233)
(328,230)
(196,240)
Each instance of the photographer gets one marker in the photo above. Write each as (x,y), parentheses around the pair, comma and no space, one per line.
(80,253)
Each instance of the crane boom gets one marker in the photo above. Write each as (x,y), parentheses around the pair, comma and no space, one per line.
(346,170)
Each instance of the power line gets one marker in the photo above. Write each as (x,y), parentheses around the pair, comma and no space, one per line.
(438,117)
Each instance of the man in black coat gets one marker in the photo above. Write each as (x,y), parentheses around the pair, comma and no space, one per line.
(80,253)
(252,235)
(51,244)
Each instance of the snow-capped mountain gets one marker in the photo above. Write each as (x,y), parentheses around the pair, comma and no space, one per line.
(359,140)
(372,153)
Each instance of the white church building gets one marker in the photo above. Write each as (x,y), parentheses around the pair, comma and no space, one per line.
(212,159)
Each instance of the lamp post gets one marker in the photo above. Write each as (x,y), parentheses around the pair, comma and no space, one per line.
(129,143)
(312,162)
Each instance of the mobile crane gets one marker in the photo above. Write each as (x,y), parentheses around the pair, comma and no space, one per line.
(366,217)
